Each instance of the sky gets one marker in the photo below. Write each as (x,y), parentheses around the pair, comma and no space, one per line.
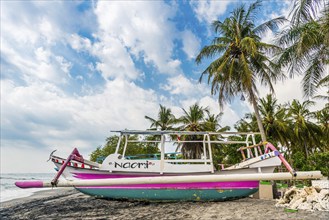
(72,71)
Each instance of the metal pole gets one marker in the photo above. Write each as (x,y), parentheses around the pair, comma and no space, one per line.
(118,145)
(125,147)
(163,139)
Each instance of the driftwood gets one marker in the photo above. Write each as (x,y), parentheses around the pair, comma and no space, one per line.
(308,198)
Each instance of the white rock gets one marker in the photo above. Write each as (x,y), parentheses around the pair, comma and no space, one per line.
(318,207)
(309,198)
(303,193)
(320,196)
(324,204)
(305,206)
(310,190)
(290,193)
(312,198)
(297,203)
(324,192)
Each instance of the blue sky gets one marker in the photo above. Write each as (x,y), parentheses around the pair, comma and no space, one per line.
(71,71)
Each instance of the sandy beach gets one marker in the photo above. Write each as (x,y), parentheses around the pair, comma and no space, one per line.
(70,204)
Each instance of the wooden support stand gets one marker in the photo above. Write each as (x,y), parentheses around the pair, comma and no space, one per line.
(264,192)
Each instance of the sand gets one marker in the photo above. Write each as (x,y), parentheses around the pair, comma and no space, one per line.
(70,204)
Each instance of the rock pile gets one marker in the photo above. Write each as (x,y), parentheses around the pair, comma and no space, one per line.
(308,198)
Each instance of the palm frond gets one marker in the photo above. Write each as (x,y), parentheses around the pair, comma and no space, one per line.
(304,11)
(271,25)
(312,77)
(210,51)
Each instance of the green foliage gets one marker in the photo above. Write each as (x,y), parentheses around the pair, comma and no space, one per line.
(291,125)
(299,161)
(193,120)
(98,153)
(320,161)
(317,161)
(132,148)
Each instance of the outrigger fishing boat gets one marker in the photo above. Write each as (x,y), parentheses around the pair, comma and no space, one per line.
(170,176)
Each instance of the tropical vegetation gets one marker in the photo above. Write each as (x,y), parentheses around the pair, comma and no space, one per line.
(241,61)
(302,135)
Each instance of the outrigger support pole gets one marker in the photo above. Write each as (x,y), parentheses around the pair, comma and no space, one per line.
(172,179)
(284,161)
(75,155)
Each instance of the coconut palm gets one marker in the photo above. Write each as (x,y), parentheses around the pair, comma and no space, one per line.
(306,133)
(306,43)
(211,123)
(241,58)
(192,120)
(247,123)
(323,121)
(165,120)
(275,120)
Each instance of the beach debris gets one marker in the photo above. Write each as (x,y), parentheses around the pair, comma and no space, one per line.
(308,198)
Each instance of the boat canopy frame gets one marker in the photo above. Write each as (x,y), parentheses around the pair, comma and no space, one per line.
(206,142)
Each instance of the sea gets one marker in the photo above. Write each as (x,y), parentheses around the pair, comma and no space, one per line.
(8,190)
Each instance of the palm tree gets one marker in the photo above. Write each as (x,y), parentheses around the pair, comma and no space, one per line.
(323,121)
(192,120)
(306,43)
(212,123)
(247,123)
(165,120)
(306,133)
(275,120)
(242,58)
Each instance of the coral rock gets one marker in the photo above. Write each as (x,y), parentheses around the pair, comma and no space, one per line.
(309,198)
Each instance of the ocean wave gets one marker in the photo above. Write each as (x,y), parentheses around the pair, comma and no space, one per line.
(15,178)
(8,189)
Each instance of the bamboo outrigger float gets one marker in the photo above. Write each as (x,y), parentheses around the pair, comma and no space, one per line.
(125,177)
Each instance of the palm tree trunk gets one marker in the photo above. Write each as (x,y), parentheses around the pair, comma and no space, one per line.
(306,151)
(259,120)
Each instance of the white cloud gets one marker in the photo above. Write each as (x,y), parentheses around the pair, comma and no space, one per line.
(29,36)
(191,44)
(115,60)
(208,10)
(180,85)
(79,43)
(141,29)
(289,90)
(42,116)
